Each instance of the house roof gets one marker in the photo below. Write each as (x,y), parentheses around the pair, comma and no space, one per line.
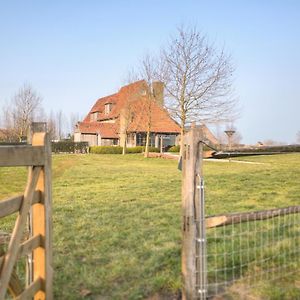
(160,119)
(106,130)
(127,93)
(131,97)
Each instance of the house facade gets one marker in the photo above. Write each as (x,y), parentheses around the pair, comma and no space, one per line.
(125,117)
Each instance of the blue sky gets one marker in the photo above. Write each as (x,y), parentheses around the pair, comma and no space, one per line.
(73,52)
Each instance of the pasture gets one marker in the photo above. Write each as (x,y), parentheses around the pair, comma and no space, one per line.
(117,220)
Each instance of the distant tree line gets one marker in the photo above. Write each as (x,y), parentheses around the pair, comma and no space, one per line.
(26,107)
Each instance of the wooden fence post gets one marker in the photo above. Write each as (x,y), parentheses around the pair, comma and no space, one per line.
(191,172)
(41,216)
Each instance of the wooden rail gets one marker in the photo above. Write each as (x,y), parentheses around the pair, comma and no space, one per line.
(35,203)
(13,204)
(24,155)
(229,219)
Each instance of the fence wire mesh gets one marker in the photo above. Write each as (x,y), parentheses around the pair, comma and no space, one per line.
(247,253)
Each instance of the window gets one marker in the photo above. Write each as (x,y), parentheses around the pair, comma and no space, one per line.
(107,108)
(141,139)
(94,116)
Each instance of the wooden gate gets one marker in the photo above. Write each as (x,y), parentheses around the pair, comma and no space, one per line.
(34,207)
(231,255)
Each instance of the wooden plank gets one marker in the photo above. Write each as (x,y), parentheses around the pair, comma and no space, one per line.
(42,221)
(48,219)
(13,204)
(24,155)
(228,219)
(15,285)
(32,290)
(211,222)
(31,244)
(13,247)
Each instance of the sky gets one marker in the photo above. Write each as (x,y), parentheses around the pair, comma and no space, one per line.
(74,52)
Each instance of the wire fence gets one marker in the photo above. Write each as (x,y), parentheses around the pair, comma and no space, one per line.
(247,250)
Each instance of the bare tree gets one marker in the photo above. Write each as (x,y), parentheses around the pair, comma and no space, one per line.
(60,124)
(147,70)
(270,142)
(126,119)
(24,108)
(148,73)
(51,125)
(128,114)
(73,120)
(198,79)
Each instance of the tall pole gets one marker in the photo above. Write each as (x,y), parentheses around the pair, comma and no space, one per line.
(229,134)
(193,218)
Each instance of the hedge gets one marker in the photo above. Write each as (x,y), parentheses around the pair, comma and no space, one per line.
(106,149)
(279,149)
(140,149)
(264,150)
(69,147)
(174,149)
(119,150)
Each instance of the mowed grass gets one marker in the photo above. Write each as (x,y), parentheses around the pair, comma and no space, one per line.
(117,220)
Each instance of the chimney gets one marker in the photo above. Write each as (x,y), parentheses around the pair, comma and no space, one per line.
(158,92)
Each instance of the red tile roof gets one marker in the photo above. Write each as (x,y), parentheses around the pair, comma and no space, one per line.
(106,130)
(133,96)
(160,119)
(118,101)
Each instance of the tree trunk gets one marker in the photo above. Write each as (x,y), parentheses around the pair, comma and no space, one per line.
(147,145)
(181,138)
(124,148)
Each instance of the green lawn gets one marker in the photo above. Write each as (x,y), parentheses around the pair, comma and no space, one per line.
(117,219)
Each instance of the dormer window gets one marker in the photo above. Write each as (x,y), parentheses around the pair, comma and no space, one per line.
(94,116)
(107,108)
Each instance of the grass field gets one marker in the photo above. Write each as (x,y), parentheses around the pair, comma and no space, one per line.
(117,219)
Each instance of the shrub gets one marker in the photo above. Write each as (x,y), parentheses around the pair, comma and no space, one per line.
(140,149)
(119,150)
(69,147)
(137,149)
(106,149)
(154,149)
(175,149)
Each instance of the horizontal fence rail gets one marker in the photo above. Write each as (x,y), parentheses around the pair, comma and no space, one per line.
(13,204)
(229,219)
(23,155)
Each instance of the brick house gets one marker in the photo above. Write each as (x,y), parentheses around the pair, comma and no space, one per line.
(124,116)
